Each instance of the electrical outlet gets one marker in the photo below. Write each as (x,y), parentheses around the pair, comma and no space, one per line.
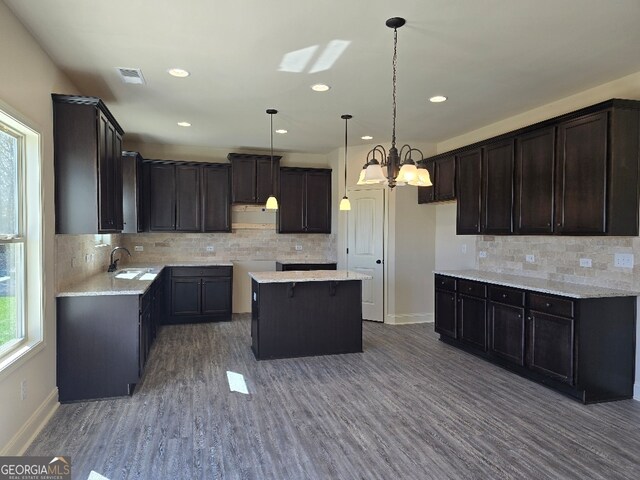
(211,248)
(138,248)
(585,262)
(530,258)
(23,390)
(87,257)
(482,254)
(623,260)
(298,247)
(463,248)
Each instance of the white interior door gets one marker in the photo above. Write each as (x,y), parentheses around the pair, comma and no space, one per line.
(366,248)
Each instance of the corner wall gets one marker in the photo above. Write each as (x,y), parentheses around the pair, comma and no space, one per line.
(28,79)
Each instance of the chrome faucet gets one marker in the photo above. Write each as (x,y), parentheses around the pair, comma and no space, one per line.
(113,266)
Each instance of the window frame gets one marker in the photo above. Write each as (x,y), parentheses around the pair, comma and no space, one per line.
(30,230)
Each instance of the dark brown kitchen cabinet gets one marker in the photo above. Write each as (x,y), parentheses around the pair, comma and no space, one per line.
(132,192)
(185,197)
(88,166)
(497,188)
(305,200)
(582,347)
(253,179)
(200,294)
(188,201)
(443,176)
(534,181)
(469,192)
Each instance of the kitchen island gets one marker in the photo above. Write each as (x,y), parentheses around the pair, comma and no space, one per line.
(303,313)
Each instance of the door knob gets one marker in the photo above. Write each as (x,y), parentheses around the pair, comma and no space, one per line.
(378,262)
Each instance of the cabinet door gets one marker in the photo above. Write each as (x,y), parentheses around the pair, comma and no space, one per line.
(216,205)
(188,215)
(427,194)
(216,296)
(144,339)
(185,296)
(266,180)
(581,192)
(472,321)
(497,176)
(468,168)
(105,174)
(445,179)
(445,314)
(318,202)
(535,162)
(162,197)
(551,346)
(506,332)
(117,200)
(243,175)
(291,202)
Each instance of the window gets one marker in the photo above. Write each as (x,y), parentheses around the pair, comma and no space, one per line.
(21,295)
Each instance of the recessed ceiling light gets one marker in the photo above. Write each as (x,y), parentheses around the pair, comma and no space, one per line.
(184,124)
(281,131)
(367,137)
(438,99)
(178,72)
(320,87)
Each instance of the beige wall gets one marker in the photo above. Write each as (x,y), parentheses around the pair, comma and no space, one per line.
(27,79)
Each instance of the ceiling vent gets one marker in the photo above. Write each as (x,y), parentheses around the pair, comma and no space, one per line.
(131,75)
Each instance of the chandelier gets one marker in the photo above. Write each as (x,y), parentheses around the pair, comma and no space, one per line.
(401,166)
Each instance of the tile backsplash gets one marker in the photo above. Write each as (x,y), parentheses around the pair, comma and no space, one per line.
(80,256)
(558,258)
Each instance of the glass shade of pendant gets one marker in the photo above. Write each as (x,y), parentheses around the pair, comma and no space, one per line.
(374,174)
(408,173)
(272,203)
(423,178)
(361,177)
(345,204)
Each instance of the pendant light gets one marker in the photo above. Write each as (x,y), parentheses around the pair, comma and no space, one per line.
(272,201)
(345,204)
(401,167)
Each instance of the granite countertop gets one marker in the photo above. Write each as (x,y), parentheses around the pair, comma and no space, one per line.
(304,261)
(308,276)
(566,289)
(105,283)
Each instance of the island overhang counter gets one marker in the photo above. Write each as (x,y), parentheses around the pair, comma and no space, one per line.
(304,313)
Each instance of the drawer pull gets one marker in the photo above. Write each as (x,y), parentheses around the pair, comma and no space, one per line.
(547,304)
(504,295)
(470,288)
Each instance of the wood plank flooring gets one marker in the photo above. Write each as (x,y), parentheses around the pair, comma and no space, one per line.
(409,407)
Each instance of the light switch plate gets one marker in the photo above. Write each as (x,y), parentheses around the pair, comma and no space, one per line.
(138,248)
(298,247)
(482,254)
(585,262)
(211,248)
(530,258)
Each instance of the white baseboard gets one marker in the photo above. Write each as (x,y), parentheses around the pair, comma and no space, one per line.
(21,440)
(408,318)
(636,392)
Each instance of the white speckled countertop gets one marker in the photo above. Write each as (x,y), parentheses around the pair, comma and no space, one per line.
(305,261)
(107,283)
(308,276)
(574,290)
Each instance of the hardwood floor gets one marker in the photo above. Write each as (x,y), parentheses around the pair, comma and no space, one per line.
(409,407)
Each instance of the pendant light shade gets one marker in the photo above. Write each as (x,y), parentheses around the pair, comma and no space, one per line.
(345,204)
(272,201)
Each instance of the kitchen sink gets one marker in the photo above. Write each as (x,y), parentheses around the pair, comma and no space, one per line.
(140,273)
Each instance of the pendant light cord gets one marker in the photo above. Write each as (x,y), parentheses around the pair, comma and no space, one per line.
(271,116)
(395,66)
(346,122)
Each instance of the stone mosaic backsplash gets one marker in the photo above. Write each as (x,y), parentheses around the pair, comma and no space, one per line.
(80,256)
(558,258)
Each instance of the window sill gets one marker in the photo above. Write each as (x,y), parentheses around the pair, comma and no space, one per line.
(19,357)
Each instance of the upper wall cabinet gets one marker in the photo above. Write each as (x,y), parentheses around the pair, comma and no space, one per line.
(131,192)
(88,166)
(304,200)
(186,197)
(443,177)
(573,175)
(252,178)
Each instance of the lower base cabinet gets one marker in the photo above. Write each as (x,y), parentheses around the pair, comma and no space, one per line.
(200,294)
(582,347)
(103,342)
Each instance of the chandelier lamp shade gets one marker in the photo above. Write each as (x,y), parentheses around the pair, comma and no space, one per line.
(345,204)
(272,201)
(401,167)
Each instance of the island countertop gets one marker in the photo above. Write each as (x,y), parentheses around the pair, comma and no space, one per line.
(566,289)
(308,276)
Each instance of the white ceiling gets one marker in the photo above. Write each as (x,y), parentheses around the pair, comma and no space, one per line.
(492,58)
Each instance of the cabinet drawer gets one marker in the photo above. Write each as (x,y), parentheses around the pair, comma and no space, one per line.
(553,305)
(201,271)
(507,295)
(445,283)
(474,289)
